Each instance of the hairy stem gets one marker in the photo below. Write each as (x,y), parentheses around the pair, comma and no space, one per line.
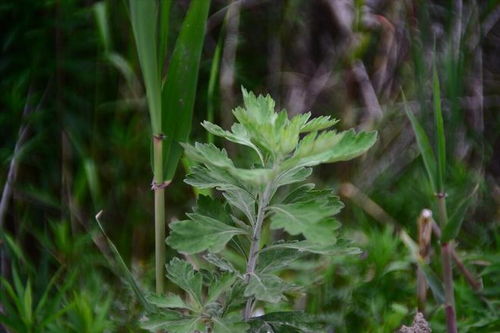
(446,259)
(255,243)
(159,212)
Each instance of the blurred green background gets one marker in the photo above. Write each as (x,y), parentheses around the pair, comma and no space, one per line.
(75,139)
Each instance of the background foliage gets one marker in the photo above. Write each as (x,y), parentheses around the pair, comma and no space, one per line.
(72,100)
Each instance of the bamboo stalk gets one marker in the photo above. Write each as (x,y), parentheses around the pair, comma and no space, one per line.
(159,189)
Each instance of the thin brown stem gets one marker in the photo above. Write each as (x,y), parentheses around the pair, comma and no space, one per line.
(469,277)
(474,282)
(451,320)
(424,244)
(446,259)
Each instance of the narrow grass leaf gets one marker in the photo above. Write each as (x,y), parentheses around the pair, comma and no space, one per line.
(179,90)
(123,270)
(454,224)
(433,281)
(164,28)
(144,18)
(212,80)
(441,139)
(101,17)
(423,145)
(28,304)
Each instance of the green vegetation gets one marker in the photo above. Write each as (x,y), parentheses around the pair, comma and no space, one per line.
(230,233)
(105,103)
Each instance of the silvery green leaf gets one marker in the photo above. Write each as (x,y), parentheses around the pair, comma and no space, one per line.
(173,301)
(318,124)
(221,263)
(330,146)
(238,134)
(242,200)
(230,324)
(202,177)
(309,214)
(183,274)
(294,175)
(209,228)
(276,258)
(214,158)
(201,233)
(219,286)
(266,287)
(293,321)
(333,248)
(173,322)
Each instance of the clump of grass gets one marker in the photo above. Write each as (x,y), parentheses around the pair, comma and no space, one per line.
(435,165)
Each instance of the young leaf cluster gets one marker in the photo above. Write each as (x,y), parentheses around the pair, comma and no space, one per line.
(243,268)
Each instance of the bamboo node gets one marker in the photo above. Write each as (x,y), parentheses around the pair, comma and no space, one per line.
(159,136)
(156,186)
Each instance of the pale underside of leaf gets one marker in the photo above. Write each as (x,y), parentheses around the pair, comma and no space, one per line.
(172,322)
(266,287)
(309,246)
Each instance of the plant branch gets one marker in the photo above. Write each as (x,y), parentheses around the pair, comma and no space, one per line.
(255,243)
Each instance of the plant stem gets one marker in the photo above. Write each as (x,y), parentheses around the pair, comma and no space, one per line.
(159,212)
(254,246)
(446,250)
(446,258)
(424,244)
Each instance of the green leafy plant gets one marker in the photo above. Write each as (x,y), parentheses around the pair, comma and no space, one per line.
(241,263)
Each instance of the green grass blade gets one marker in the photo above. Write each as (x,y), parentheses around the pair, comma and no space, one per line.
(123,270)
(433,281)
(452,228)
(16,251)
(28,303)
(179,90)
(214,73)
(144,18)
(101,18)
(163,32)
(423,145)
(441,139)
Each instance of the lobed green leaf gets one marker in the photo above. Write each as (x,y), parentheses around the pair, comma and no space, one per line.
(266,287)
(310,214)
(183,274)
(172,301)
(173,322)
(209,228)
